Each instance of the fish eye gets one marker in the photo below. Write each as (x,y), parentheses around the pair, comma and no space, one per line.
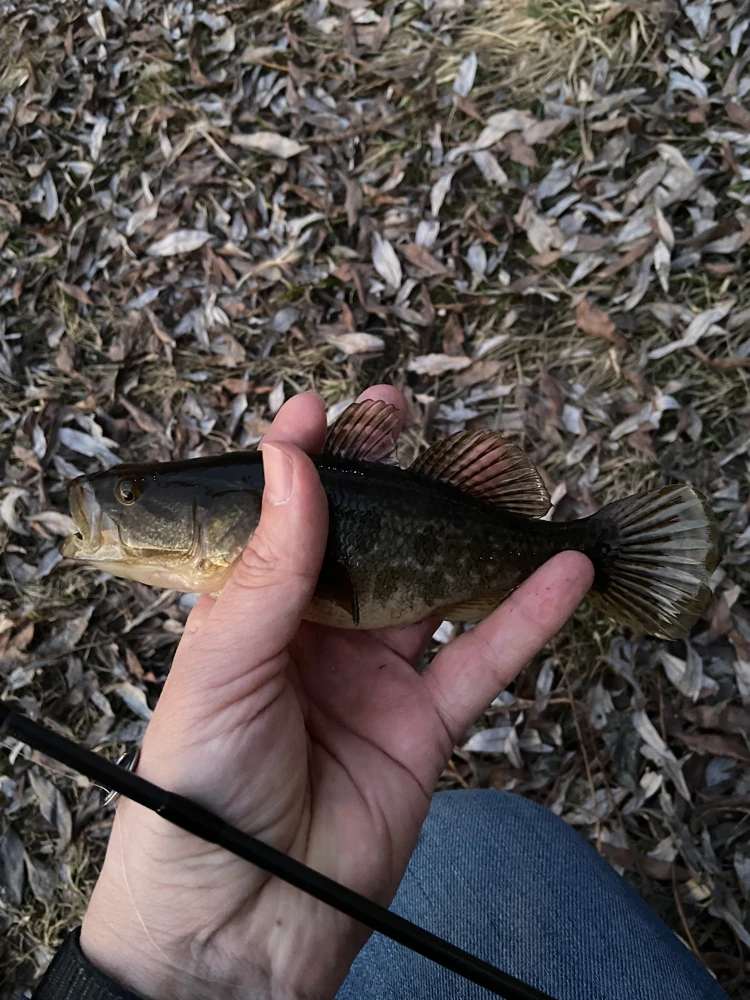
(127,491)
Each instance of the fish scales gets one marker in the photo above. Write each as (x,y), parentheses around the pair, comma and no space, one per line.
(411,543)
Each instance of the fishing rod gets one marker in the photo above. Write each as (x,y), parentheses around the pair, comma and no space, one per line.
(202,823)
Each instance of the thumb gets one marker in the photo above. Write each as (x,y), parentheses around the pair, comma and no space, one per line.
(230,671)
(259,610)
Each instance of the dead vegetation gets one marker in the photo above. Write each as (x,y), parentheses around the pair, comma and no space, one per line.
(529,217)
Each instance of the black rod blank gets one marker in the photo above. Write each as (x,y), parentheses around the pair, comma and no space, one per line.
(204,824)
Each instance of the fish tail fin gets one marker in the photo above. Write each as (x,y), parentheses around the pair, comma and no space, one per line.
(653,556)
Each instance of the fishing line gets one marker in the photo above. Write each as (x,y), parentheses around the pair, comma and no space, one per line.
(195,819)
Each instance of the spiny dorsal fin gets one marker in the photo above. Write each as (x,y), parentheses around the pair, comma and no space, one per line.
(485,465)
(366,431)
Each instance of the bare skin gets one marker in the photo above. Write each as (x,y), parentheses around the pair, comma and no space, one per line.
(325,743)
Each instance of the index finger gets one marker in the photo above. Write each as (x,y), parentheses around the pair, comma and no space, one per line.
(470,672)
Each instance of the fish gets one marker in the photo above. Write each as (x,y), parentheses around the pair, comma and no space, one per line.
(450,536)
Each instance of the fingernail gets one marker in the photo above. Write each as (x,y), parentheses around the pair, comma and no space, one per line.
(278,471)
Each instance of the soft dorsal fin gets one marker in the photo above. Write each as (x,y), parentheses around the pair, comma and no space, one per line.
(490,468)
(366,431)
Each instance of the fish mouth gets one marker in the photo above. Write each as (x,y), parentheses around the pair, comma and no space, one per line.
(98,537)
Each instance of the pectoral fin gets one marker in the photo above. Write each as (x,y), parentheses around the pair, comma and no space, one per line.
(336,585)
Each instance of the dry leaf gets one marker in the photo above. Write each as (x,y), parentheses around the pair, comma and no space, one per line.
(180,241)
(8,512)
(464,80)
(476,258)
(594,321)
(543,235)
(11,868)
(686,675)
(439,190)
(355,343)
(437,364)
(268,142)
(717,746)
(490,169)
(662,264)
(53,807)
(421,258)
(87,444)
(501,124)
(697,329)
(655,749)
(45,195)
(385,260)
(276,397)
(453,336)
(135,699)
(489,740)
(75,292)
(61,524)
(480,371)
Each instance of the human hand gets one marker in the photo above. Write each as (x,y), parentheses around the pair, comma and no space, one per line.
(325,743)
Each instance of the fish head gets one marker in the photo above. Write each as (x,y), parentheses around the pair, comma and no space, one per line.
(160,528)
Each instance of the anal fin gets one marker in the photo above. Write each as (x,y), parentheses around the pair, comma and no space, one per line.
(473,610)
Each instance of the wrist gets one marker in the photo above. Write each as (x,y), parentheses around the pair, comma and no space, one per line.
(131,958)
(133,964)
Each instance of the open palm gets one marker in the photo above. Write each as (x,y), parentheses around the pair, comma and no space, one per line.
(324,742)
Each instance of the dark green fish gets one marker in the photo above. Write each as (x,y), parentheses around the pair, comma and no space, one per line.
(452,535)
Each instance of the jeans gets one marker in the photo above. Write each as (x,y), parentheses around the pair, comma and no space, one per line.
(512,883)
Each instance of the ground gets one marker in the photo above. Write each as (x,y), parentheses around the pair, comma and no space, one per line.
(529,217)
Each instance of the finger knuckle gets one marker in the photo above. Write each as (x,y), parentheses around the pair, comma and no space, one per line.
(259,565)
(262,565)
(485,651)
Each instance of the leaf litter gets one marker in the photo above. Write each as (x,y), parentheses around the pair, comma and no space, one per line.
(529,218)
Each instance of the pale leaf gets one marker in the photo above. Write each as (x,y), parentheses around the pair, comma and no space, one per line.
(8,513)
(489,740)
(427,233)
(698,328)
(56,521)
(437,364)
(500,124)
(476,258)
(489,168)
(656,750)
(180,241)
(135,699)
(467,71)
(87,444)
(385,260)
(686,675)
(662,264)
(439,190)
(268,142)
(700,14)
(356,343)
(45,195)
(276,397)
